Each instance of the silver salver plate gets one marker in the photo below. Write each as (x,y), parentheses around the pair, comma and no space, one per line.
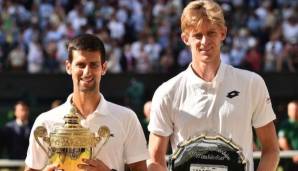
(207,167)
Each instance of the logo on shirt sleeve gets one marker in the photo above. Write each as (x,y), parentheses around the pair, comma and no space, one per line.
(233,94)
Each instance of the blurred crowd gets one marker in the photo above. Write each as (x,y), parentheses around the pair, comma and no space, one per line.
(143,36)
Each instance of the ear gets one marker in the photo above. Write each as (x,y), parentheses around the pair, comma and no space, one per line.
(104,68)
(224,31)
(184,37)
(68,67)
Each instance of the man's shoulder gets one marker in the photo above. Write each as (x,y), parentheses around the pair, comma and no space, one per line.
(114,109)
(172,84)
(242,75)
(10,124)
(53,113)
(240,71)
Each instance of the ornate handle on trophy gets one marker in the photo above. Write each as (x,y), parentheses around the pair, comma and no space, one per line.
(41,132)
(104,134)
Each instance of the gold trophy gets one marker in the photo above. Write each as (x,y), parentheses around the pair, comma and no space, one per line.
(69,144)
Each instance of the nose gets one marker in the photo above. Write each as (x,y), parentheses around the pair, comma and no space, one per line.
(86,70)
(204,40)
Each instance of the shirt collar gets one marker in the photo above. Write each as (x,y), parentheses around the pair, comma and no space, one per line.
(195,79)
(101,108)
(21,123)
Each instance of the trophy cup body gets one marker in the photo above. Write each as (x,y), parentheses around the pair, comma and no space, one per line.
(69,144)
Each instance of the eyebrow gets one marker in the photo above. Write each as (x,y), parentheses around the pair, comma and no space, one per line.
(197,34)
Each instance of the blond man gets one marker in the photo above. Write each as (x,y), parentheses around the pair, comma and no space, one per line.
(210,96)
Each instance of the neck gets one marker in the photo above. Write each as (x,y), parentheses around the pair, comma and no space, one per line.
(21,122)
(205,71)
(85,103)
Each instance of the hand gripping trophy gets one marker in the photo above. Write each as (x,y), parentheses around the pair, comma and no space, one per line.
(69,144)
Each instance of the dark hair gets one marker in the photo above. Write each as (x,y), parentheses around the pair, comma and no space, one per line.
(22,103)
(86,42)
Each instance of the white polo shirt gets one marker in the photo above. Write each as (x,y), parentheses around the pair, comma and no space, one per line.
(231,104)
(127,145)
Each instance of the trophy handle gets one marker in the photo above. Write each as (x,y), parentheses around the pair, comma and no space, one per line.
(103,133)
(41,132)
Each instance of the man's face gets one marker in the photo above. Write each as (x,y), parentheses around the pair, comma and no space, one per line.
(86,70)
(205,41)
(21,112)
(293,111)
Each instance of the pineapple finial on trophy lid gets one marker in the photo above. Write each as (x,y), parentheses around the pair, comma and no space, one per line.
(72,119)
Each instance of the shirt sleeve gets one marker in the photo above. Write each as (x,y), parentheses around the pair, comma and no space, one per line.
(263,113)
(161,120)
(36,156)
(135,146)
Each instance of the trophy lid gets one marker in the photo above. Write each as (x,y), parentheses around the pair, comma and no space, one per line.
(72,134)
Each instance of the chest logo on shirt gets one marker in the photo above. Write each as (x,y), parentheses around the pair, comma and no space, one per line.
(233,94)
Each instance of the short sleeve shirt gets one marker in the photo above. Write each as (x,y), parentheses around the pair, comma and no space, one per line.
(127,145)
(231,104)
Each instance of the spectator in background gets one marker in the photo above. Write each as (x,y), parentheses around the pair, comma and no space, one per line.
(134,95)
(290,55)
(253,58)
(114,58)
(55,103)
(17,59)
(153,49)
(288,135)
(273,52)
(16,133)
(127,61)
(35,55)
(166,62)
(290,35)
(146,118)
(147,110)
(184,58)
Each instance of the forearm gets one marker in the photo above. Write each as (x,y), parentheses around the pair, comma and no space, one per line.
(270,149)
(269,160)
(158,146)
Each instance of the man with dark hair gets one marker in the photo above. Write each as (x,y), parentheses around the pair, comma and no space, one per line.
(16,133)
(87,64)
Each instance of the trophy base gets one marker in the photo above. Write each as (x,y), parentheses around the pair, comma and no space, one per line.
(69,160)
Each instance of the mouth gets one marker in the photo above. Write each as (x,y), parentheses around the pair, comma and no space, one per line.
(87,80)
(205,49)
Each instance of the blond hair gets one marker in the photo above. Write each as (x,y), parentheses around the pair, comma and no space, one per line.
(198,11)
